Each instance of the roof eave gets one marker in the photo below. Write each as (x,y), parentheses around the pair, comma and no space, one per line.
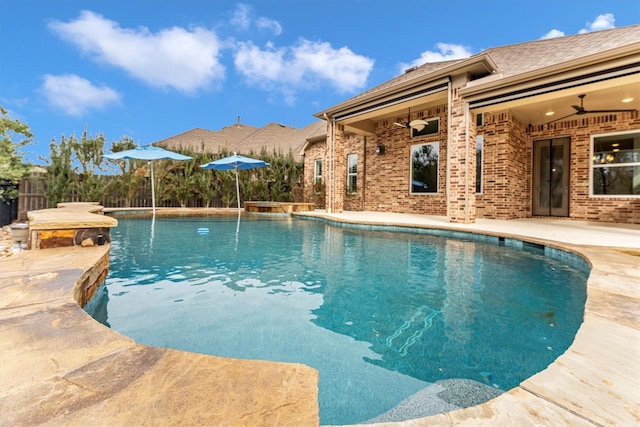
(601,61)
(475,64)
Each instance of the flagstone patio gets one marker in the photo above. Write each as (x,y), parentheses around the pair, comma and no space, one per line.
(60,367)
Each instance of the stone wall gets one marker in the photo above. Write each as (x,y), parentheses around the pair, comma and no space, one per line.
(70,224)
(47,239)
(91,280)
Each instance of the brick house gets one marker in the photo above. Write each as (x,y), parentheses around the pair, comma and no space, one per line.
(548,128)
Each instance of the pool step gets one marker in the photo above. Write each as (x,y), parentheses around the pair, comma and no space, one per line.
(411,330)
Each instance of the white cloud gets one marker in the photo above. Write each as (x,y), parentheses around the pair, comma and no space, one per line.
(305,65)
(553,34)
(602,22)
(75,95)
(445,52)
(243,18)
(269,24)
(185,60)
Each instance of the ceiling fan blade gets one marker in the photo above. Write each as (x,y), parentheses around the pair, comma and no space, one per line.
(578,108)
(418,124)
(400,124)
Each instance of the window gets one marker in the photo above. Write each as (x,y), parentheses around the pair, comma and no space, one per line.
(615,165)
(352,173)
(479,153)
(432,128)
(424,168)
(317,177)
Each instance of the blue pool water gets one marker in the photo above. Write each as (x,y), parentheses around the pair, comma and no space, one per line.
(380,314)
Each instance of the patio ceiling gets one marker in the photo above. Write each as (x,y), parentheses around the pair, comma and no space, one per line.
(365,123)
(603,95)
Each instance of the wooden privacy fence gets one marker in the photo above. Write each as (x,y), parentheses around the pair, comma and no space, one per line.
(33,197)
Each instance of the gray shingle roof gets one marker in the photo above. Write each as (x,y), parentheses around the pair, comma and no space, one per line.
(530,56)
(521,58)
(207,140)
(246,140)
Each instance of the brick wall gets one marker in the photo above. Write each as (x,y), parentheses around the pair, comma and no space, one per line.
(506,172)
(388,175)
(314,151)
(339,174)
(582,206)
(383,180)
(355,144)
(462,159)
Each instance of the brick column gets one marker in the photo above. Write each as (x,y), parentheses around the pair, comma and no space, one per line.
(461,155)
(336,168)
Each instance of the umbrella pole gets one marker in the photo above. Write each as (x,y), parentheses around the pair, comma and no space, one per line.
(153,191)
(238,190)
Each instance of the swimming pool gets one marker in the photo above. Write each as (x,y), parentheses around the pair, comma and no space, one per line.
(382,315)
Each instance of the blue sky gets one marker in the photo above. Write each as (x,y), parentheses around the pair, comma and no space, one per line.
(151,69)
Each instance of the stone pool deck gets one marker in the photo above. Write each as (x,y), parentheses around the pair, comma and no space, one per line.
(60,367)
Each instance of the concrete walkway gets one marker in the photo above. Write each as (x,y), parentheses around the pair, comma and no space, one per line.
(59,367)
(555,230)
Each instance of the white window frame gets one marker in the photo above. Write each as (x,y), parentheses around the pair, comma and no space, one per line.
(351,174)
(593,167)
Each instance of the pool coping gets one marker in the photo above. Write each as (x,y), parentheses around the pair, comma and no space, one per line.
(594,382)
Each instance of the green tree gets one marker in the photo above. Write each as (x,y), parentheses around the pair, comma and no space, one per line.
(59,175)
(125,185)
(179,182)
(12,167)
(87,153)
(206,184)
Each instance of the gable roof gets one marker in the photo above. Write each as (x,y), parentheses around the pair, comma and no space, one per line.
(281,139)
(499,65)
(209,141)
(244,139)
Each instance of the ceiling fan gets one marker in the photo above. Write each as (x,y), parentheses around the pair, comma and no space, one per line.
(417,124)
(580,110)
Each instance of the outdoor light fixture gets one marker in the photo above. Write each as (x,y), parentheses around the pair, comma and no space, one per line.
(380,149)
(549,113)
(627,100)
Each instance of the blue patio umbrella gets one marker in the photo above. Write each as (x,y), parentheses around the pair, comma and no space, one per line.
(235,162)
(150,153)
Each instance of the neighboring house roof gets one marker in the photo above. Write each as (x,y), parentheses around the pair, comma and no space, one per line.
(281,139)
(209,141)
(274,137)
(500,64)
(244,139)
